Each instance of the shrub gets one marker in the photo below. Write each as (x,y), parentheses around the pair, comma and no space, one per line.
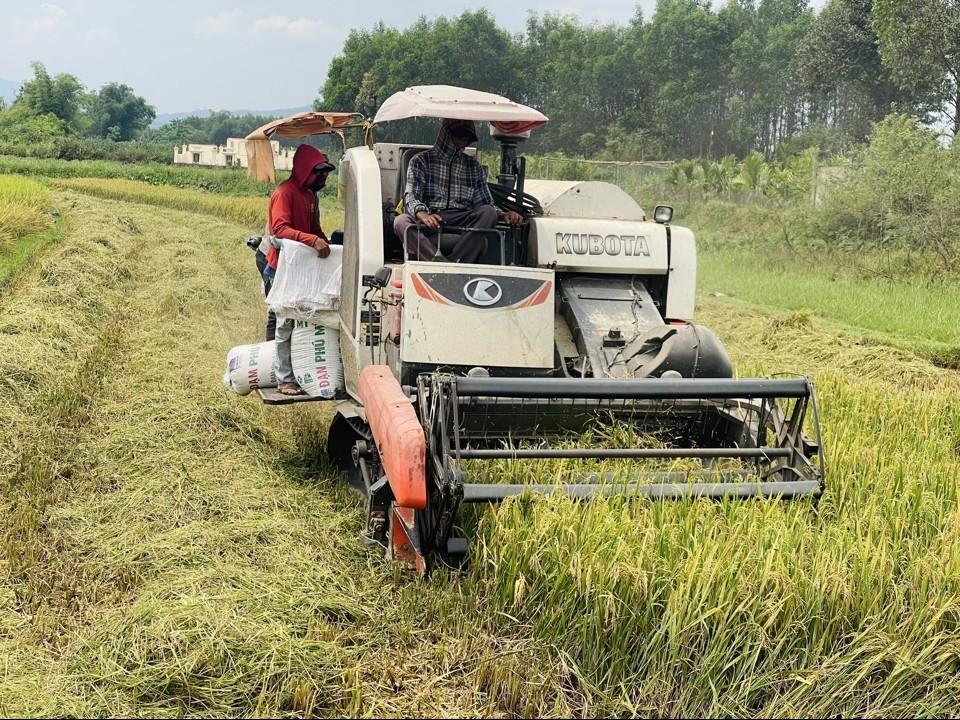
(789,178)
(901,195)
(42,138)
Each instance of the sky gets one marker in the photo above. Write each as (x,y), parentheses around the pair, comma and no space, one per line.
(185,55)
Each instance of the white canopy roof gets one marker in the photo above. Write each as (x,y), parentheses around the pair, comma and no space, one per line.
(447,101)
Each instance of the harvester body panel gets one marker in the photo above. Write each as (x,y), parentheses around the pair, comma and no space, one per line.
(595,227)
(599,245)
(359,190)
(476,315)
(584,199)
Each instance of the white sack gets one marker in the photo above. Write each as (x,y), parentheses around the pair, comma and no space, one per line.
(315,356)
(306,285)
(250,367)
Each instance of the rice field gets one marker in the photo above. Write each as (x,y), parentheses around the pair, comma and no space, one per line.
(168,548)
(225,181)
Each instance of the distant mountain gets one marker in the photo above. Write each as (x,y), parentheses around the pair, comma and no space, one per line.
(164,118)
(8,88)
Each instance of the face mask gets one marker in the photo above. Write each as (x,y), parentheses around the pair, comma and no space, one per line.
(318,182)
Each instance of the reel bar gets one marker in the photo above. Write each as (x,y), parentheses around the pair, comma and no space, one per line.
(605,453)
(643,389)
(480,493)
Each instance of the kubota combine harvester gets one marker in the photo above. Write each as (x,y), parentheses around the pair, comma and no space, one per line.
(581,317)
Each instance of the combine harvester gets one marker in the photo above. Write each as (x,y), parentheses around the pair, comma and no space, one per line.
(580,318)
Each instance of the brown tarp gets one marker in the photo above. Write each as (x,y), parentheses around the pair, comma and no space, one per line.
(260,154)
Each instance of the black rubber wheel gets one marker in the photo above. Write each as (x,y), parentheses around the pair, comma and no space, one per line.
(341,438)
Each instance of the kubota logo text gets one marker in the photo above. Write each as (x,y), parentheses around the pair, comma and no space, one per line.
(586,244)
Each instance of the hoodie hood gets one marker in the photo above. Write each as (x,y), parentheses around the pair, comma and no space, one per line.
(444,144)
(305,159)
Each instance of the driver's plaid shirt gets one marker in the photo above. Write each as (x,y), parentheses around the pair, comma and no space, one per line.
(435,183)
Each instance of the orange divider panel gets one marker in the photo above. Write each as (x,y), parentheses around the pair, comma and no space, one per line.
(397,433)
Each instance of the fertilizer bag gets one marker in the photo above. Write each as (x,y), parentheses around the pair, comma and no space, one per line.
(315,356)
(250,367)
(306,286)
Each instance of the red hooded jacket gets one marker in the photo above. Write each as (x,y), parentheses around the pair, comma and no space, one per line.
(293,213)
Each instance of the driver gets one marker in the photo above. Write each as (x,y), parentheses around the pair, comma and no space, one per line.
(445,185)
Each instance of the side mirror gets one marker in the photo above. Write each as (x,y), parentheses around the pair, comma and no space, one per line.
(663,214)
(382,277)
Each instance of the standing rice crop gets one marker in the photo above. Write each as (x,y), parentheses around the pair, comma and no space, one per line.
(251,212)
(744,609)
(22,203)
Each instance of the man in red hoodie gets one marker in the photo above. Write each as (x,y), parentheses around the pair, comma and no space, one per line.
(294,214)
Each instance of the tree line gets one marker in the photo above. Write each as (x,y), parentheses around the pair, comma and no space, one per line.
(54,115)
(691,81)
(52,106)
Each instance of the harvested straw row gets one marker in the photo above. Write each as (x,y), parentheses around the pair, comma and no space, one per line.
(185,551)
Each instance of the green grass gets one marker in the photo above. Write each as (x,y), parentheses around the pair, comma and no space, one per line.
(762,256)
(912,314)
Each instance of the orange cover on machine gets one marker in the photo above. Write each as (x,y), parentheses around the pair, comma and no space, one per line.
(397,433)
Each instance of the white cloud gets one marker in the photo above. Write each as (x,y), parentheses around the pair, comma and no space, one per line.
(222,22)
(100,36)
(282,25)
(50,17)
(52,12)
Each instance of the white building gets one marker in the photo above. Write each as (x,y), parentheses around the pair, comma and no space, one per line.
(232,154)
